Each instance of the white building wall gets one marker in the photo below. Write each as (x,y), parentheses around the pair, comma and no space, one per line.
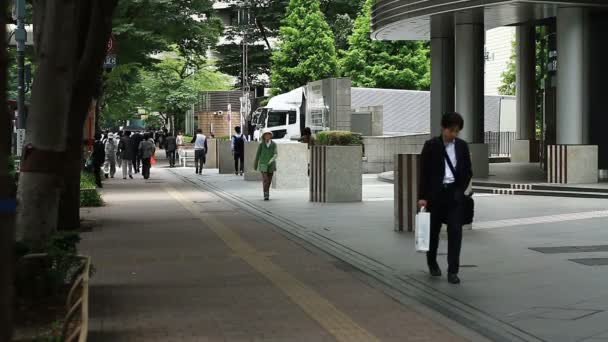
(499,48)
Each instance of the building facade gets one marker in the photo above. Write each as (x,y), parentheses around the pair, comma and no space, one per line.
(572,140)
(218,112)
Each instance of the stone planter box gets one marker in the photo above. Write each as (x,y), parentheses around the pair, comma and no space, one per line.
(211,154)
(572,164)
(225,160)
(251,148)
(336,174)
(292,166)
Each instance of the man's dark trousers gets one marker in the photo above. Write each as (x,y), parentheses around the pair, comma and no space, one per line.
(199,160)
(171,156)
(448,209)
(239,157)
(136,163)
(146,165)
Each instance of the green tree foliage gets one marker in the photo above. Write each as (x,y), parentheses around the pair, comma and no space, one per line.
(164,88)
(508,82)
(143,28)
(263,28)
(306,50)
(382,64)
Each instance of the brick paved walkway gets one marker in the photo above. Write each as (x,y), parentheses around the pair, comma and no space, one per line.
(177,264)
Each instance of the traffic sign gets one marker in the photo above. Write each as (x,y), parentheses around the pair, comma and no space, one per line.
(110,61)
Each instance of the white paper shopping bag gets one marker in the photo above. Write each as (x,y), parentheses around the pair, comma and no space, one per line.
(423,231)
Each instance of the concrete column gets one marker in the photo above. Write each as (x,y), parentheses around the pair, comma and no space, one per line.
(526,82)
(572,119)
(442,69)
(469,77)
(469,74)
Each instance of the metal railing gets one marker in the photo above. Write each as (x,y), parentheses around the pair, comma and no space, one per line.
(499,143)
(76,324)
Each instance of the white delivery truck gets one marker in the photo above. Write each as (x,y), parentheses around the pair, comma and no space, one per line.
(283,116)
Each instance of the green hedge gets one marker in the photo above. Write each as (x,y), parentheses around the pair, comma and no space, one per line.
(338,138)
(89,196)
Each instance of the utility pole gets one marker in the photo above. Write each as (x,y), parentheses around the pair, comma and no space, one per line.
(20,38)
(244,22)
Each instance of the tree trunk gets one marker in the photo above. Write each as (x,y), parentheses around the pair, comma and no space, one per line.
(7,201)
(70,41)
(69,202)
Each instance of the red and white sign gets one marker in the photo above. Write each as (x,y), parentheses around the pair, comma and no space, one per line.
(110,46)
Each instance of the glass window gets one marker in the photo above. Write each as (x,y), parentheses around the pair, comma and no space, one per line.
(292,117)
(277,119)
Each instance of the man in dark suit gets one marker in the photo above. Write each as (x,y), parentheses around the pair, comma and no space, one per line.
(442,190)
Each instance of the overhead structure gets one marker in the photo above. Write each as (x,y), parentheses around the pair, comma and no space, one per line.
(566,121)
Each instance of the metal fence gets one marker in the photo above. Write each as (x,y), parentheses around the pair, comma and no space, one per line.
(499,143)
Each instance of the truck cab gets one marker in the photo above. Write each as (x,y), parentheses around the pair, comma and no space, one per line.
(286,123)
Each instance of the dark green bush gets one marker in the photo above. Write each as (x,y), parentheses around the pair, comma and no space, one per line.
(338,138)
(89,196)
(39,277)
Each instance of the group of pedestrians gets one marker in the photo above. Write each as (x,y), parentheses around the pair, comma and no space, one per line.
(133,152)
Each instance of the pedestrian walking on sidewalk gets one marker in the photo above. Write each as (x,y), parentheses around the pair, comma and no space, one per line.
(110,150)
(136,139)
(127,153)
(445,177)
(265,161)
(179,140)
(98,157)
(171,148)
(200,151)
(147,149)
(238,151)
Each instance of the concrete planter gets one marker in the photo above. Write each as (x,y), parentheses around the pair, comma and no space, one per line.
(292,166)
(251,148)
(336,174)
(225,160)
(212,154)
(572,164)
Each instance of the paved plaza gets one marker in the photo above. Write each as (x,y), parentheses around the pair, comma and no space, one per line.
(513,290)
(175,262)
(204,258)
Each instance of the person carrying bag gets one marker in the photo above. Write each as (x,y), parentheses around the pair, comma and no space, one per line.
(445,177)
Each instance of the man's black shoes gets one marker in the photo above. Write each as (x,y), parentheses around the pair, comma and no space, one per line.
(453,279)
(435,271)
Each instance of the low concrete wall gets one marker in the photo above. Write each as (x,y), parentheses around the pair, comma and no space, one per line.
(251,174)
(292,166)
(225,158)
(336,174)
(380,151)
(211,154)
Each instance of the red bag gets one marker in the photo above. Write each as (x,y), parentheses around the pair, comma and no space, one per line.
(152,161)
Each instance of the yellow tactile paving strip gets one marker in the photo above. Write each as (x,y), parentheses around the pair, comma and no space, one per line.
(336,322)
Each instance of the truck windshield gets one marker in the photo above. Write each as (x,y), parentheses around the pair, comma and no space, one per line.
(279,117)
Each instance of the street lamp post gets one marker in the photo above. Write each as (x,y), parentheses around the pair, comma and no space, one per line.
(20,39)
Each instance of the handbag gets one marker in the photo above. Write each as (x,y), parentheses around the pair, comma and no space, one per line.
(423,231)
(468,202)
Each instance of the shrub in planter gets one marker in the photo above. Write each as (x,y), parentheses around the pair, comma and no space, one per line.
(89,196)
(336,167)
(47,275)
(338,138)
